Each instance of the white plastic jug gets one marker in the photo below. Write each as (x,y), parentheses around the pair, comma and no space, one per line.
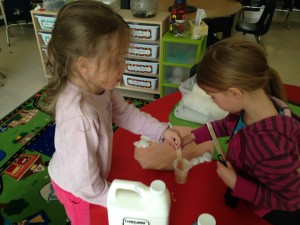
(132,202)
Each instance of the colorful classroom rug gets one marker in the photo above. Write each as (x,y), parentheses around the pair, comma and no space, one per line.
(26,147)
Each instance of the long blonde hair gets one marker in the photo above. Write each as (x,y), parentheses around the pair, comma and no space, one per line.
(239,63)
(83,28)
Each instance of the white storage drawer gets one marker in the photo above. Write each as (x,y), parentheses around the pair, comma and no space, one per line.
(143,50)
(46,22)
(144,32)
(141,67)
(46,37)
(140,82)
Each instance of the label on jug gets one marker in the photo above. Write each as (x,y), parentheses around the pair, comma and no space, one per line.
(131,221)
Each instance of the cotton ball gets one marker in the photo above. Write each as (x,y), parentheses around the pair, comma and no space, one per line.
(141,144)
(201,159)
(207,157)
(195,161)
(145,138)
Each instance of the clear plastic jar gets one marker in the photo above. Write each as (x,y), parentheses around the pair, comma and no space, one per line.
(144,8)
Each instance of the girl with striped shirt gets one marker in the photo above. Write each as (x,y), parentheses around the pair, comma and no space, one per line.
(262,160)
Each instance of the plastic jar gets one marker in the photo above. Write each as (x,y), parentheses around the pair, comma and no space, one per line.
(144,8)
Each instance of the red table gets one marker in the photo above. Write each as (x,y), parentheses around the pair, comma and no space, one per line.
(203,192)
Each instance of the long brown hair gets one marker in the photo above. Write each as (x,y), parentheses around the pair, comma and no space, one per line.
(239,63)
(83,28)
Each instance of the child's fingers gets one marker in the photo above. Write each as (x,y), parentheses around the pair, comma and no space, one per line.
(229,165)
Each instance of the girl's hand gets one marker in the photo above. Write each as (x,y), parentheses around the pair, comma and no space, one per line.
(187,139)
(173,137)
(227,174)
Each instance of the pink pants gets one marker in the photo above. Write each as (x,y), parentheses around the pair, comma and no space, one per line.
(78,210)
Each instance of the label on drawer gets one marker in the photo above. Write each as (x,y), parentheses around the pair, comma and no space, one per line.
(139,83)
(47,24)
(141,33)
(144,32)
(139,68)
(139,51)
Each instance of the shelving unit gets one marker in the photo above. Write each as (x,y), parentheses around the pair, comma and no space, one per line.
(178,56)
(139,88)
(48,16)
(161,20)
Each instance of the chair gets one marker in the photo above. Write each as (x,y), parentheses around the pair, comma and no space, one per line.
(285,6)
(296,6)
(262,26)
(125,4)
(250,5)
(221,26)
(15,13)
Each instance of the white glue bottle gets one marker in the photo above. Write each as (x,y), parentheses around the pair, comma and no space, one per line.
(132,202)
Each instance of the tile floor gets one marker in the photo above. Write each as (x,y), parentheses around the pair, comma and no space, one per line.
(22,64)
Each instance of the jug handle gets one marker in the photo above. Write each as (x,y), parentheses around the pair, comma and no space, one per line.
(134,186)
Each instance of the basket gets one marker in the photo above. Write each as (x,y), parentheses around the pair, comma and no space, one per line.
(144,32)
(141,67)
(140,82)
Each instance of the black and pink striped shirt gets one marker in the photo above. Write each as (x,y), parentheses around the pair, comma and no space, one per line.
(266,157)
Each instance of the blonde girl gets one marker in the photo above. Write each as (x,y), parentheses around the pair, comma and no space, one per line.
(264,135)
(87,58)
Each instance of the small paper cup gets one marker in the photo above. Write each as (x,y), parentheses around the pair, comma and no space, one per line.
(182,175)
(206,219)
